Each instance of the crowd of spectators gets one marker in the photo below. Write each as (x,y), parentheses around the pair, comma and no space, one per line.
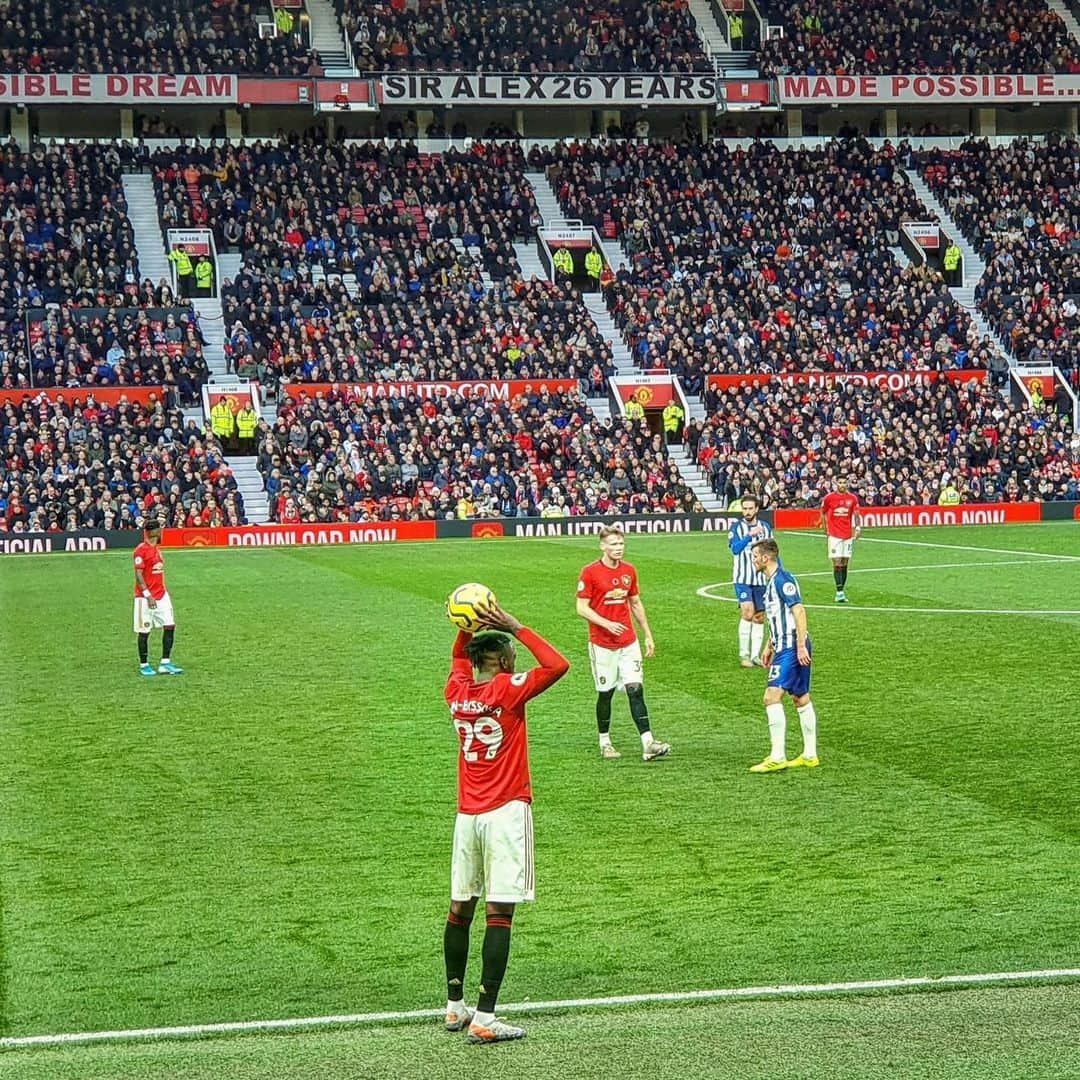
(763,259)
(343,458)
(526,35)
(70,286)
(119,347)
(788,444)
(65,237)
(452,330)
(837,37)
(1019,206)
(375,261)
(80,464)
(308,201)
(146,36)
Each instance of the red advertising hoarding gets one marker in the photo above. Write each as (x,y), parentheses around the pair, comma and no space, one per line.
(493,389)
(382,532)
(890,380)
(649,391)
(103,395)
(893,516)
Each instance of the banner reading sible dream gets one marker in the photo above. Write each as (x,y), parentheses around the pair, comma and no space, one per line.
(890,380)
(84,89)
(492,389)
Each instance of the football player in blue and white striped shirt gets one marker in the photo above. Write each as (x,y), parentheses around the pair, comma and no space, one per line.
(788,658)
(749,583)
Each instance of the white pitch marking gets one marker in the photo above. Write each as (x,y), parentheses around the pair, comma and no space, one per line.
(948,547)
(675,996)
(706,590)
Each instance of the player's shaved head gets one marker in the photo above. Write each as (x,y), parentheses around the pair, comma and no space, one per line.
(491,650)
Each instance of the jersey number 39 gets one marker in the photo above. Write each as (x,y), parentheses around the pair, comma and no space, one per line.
(486,732)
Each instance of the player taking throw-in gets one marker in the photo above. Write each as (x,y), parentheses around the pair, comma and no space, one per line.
(493,833)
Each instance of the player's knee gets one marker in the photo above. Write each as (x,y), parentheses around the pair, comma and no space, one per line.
(463,910)
(759,617)
(499,911)
(747,612)
(606,695)
(634,689)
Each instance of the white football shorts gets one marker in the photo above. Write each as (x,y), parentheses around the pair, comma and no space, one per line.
(840,549)
(148,618)
(612,669)
(493,855)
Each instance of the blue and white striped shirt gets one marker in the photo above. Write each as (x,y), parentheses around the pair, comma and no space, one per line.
(741,543)
(781,595)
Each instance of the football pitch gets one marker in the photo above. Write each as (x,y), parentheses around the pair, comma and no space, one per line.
(267,837)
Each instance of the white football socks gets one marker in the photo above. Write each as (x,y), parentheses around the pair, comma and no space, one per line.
(646,739)
(744,638)
(605,739)
(777,730)
(757,639)
(808,721)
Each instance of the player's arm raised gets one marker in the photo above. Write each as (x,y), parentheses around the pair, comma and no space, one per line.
(637,609)
(596,618)
(553,665)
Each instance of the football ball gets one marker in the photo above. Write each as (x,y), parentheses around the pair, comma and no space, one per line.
(465,605)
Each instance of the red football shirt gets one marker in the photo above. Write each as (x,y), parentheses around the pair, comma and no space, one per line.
(148,559)
(840,510)
(608,590)
(493,766)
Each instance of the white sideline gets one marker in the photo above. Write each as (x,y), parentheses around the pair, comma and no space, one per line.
(949,547)
(735,992)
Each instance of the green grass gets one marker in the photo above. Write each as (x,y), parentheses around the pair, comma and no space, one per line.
(269,835)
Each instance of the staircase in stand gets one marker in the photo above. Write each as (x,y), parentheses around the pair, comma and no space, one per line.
(212,326)
(142,210)
(695,479)
(972,267)
(328,41)
(249,482)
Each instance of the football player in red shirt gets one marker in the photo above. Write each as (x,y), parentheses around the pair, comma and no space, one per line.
(607,597)
(493,835)
(840,520)
(153,605)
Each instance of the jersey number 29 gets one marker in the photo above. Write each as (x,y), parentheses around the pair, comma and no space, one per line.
(486,731)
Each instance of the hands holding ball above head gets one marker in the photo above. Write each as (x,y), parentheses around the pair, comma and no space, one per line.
(472,607)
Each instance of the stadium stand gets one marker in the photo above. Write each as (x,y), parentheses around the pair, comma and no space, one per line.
(336,458)
(763,259)
(787,444)
(77,464)
(917,36)
(137,36)
(527,36)
(69,268)
(1018,205)
(413,234)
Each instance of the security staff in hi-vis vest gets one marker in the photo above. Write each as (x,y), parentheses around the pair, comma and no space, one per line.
(247,420)
(204,277)
(594,263)
(673,421)
(185,278)
(634,410)
(564,262)
(951,262)
(223,421)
